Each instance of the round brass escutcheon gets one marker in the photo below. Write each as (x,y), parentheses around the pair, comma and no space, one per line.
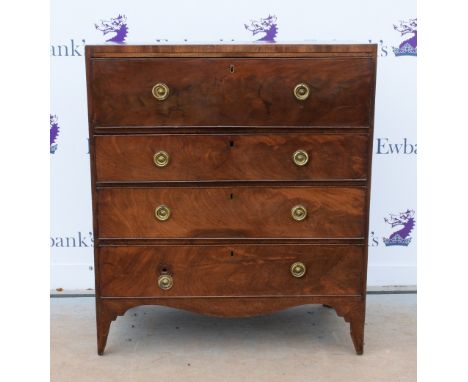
(298,269)
(301,91)
(162,213)
(300,158)
(298,213)
(165,282)
(161,159)
(160,91)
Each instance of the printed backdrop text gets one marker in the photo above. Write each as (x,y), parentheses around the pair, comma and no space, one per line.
(392,24)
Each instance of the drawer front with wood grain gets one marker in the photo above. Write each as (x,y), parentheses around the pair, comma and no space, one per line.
(227,92)
(232,212)
(224,157)
(232,270)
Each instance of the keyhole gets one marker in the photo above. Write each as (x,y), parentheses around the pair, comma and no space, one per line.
(231,143)
(231,68)
(231,196)
(232,253)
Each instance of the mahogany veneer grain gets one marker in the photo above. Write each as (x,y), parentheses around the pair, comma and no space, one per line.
(218,157)
(204,92)
(230,124)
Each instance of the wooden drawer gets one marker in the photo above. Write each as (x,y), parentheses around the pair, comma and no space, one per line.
(230,212)
(231,92)
(237,270)
(230,157)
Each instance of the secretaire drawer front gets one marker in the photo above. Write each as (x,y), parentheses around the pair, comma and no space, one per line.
(231,92)
(245,212)
(231,157)
(242,270)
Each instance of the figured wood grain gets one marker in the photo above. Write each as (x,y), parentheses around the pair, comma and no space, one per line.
(206,101)
(232,212)
(231,270)
(204,92)
(228,50)
(231,157)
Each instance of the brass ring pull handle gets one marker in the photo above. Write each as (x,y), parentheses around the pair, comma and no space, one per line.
(161,159)
(165,282)
(160,91)
(162,213)
(298,269)
(298,213)
(300,158)
(301,91)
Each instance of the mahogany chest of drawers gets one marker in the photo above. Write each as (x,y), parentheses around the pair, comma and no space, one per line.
(231,180)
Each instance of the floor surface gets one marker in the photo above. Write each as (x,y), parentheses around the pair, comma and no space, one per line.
(307,343)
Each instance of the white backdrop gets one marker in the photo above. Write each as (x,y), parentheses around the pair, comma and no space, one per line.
(393,223)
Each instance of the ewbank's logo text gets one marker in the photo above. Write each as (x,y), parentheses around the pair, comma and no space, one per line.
(387,147)
(68,49)
(79,240)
